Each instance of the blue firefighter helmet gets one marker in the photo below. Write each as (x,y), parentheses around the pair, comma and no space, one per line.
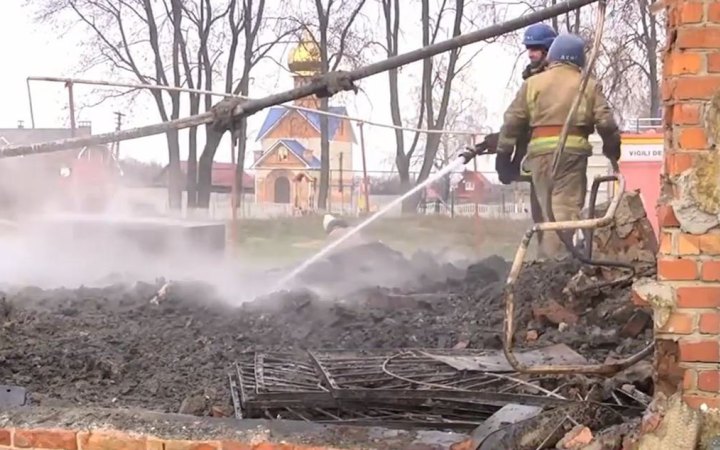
(539,35)
(569,48)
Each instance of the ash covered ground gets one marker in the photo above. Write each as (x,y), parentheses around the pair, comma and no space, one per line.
(112,347)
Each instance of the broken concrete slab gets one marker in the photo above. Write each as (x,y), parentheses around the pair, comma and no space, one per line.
(679,428)
(508,414)
(178,426)
(558,354)
(12,396)
(660,295)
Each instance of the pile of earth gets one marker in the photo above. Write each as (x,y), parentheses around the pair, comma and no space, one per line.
(113,347)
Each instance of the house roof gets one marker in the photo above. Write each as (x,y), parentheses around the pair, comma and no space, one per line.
(222,174)
(276,113)
(296,148)
(24,136)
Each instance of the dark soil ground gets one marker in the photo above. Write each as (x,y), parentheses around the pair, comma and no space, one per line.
(112,347)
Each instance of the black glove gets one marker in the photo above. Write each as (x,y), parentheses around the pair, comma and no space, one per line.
(491,142)
(611,148)
(505,168)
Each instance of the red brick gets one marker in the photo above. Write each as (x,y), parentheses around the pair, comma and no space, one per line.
(5,436)
(677,269)
(700,88)
(55,439)
(678,162)
(686,113)
(698,297)
(666,246)
(705,37)
(695,401)
(686,63)
(230,445)
(709,380)
(190,445)
(693,138)
(271,446)
(714,12)
(688,244)
(711,271)
(100,440)
(710,323)
(667,89)
(713,63)
(666,216)
(689,380)
(637,300)
(700,351)
(679,323)
(692,12)
(710,244)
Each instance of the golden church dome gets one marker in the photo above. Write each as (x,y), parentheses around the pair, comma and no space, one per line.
(304,59)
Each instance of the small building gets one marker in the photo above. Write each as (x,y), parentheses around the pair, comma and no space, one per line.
(222,178)
(472,187)
(72,179)
(287,167)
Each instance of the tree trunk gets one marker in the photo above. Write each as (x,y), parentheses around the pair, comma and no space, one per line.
(324,189)
(212,141)
(241,136)
(653,68)
(175,184)
(191,175)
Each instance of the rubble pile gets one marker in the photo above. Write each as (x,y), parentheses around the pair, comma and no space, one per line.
(113,347)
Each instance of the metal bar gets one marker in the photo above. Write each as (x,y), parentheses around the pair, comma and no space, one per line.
(71,102)
(509,327)
(30,102)
(233,195)
(326,85)
(587,71)
(159,87)
(366,181)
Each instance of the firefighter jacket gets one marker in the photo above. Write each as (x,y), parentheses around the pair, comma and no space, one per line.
(542,105)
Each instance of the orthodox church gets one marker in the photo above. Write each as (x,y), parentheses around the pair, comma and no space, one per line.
(287,168)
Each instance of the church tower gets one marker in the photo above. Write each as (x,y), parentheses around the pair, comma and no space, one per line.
(304,62)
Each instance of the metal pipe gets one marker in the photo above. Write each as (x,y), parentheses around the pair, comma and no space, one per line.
(158,87)
(509,326)
(71,102)
(366,181)
(326,85)
(30,102)
(600,23)
(233,194)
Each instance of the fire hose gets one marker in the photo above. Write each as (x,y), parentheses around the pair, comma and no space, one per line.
(564,233)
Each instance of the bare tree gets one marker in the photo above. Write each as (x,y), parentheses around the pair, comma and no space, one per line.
(334,28)
(438,75)
(246,20)
(629,54)
(122,35)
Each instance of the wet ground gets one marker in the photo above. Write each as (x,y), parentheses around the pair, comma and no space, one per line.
(112,347)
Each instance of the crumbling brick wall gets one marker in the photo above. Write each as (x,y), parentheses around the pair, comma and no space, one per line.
(686,294)
(60,439)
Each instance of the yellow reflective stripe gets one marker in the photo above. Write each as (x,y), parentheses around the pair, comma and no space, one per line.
(545,144)
(530,100)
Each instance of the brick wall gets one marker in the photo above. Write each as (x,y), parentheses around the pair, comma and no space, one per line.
(686,296)
(57,439)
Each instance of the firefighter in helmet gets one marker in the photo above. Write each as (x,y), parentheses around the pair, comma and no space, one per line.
(541,106)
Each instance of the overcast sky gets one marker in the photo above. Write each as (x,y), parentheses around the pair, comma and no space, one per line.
(32,49)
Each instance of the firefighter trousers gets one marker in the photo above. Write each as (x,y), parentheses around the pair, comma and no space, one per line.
(566,194)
